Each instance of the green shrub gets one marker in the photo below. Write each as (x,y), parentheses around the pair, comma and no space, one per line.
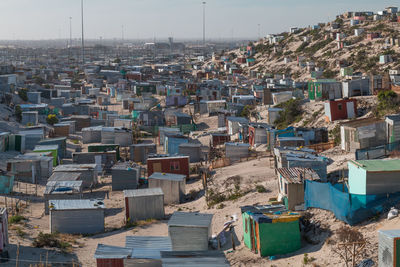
(291,113)
(18,113)
(16,219)
(23,94)
(52,119)
(261,189)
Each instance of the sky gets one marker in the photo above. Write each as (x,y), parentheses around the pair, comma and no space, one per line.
(181,19)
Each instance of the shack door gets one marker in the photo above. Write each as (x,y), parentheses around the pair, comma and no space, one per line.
(350,110)
(157,167)
(252,237)
(176,101)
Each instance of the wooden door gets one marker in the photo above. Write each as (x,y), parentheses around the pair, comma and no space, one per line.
(157,167)
(252,238)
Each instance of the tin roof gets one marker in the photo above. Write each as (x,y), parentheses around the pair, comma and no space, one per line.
(270,213)
(143,192)
(168,176)
(165,156)
(191,219)
(60,187)
(111,252)
(194,259)
(378,165)
(74,167)
(148,247)
(45,147)
(65,176)
(76,204)
(297,175)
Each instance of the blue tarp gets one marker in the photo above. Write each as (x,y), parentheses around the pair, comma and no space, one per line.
(349,208)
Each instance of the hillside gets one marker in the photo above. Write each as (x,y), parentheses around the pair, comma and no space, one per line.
(321,48)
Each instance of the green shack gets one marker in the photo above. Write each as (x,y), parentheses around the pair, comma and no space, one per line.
(270,230)
(105,148)
(324,89)
(53,149)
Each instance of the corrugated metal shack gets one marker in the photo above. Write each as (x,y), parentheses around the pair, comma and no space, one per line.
(290,141)
(104,160)
(291,185)
(193,226)
(290,158)
(193,150)
(173,186)
(267,232)
(46,162)
(125,175)
(147,250)
(140,152)
(60,141)
(163,130)
(61,190)
(172,142)
(111,256)
(236,151)
(87,172)
(25,170)
(212,258)
(30,117)
(389,249)
(105,148)
(3,230)
(393,128)
(80,216)
(48,148)
(6,184)
(91,135)
(143,204)
(362,133)
(168,164)
(82,121)
(31,138)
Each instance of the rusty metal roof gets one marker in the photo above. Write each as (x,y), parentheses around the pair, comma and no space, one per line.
(297,175)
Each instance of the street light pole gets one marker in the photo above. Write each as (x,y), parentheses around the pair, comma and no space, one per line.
(83,39)
(204,29)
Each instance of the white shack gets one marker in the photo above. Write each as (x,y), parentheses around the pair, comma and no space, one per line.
(144,204)
(173,186)
(193,226)
(79,216)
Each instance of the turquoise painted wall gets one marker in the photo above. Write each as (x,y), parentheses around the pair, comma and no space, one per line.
(357,179)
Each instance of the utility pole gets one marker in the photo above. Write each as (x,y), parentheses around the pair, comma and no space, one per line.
(122,27)
(204,30)
(83,39)
(259,36)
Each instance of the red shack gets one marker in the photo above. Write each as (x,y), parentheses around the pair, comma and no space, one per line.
(107,256)
(340,109)
(220,139)
(168,164)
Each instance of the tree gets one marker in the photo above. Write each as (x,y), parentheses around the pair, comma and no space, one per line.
(387,103)
(18,113)
(350,245)
(291,113)
(117,60)
(52,119)
(23,94)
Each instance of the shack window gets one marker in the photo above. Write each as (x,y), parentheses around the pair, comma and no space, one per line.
(339,107)
(245,225)
(175,166)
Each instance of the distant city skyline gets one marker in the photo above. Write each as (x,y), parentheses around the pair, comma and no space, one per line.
(181,19)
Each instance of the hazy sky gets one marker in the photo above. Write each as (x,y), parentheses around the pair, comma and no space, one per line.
(49,19)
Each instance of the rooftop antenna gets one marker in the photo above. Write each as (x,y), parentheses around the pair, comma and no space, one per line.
(204,29)
(83,39)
